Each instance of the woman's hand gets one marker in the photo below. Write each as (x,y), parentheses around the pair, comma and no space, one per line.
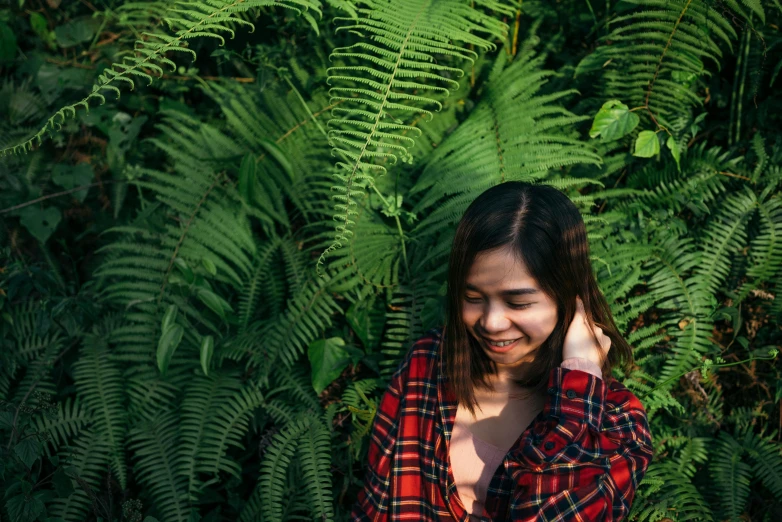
(579,341)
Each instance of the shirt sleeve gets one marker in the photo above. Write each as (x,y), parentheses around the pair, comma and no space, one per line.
(372,501)
(593,437)
(585,365)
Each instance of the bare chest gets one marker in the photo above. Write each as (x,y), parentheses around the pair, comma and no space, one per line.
(499,420)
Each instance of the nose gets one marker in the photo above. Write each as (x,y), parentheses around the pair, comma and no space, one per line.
(493,319)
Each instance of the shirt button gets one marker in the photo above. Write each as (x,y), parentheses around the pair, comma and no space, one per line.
(571,394)
(549,445)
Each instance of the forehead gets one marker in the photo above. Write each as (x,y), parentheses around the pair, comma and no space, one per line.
(499,269)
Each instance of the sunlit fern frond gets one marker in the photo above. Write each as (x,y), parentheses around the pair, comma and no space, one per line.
(391,76)
(186,20)
(514,133)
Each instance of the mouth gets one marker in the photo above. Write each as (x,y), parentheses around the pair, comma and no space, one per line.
(501,347)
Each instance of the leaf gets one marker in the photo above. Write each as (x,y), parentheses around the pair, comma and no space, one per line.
(247,179)
(169,318)
(183,267)
(39,25)
(169,340)
(8,45)
(646,144)
(28,450)
(24,508)
(69,177)
(675,152)
(40,223)
(328,358)
(276,152)
(76,31)
(207,350)
(209,266)
(613,121)
(211,300)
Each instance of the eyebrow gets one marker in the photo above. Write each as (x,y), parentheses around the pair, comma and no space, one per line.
(515,291)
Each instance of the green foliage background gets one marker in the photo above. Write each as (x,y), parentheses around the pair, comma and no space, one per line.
(207,278)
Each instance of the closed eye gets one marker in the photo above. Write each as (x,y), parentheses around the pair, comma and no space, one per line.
(511,305)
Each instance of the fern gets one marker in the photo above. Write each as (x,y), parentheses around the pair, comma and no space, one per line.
(513,134)
(188,20)
(387,84)
(731,476)
(315,456)
(656,53)
(99,383)
(153,443)
(272,484)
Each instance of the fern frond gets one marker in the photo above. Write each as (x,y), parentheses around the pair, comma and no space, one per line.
(154,446)
(655,54)
(731,475)
(512,134)
(392,76)
(315,457)
(99,384)
(188,20)
(273,480)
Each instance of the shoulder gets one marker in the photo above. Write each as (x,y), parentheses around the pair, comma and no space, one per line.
(420,362)
(619,398)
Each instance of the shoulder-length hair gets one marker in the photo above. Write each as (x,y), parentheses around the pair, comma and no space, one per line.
(545,230)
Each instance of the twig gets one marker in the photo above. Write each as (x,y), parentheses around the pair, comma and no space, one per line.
(56,194)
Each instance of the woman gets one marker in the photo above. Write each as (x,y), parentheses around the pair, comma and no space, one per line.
(510,412)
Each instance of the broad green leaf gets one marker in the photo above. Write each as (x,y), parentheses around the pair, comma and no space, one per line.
(24,508)
(183,267)
(69,177)
(40,223)
(328,358)
(169,318)
(646,144)
(613,121)
(169,340)
(209,266)
(28,450)
(207,350)
(211,300)
(80,30)
(673,146)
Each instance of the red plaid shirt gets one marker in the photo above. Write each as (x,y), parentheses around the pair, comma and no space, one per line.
(580,459)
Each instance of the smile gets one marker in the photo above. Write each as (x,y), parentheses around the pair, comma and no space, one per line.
(501,346)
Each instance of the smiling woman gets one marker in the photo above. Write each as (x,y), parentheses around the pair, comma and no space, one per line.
(511,412)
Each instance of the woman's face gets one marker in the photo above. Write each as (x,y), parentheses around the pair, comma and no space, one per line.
(503,302)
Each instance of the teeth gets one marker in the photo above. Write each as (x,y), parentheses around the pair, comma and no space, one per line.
(506,343)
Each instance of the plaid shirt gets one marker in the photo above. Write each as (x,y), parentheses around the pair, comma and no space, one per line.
(580,459)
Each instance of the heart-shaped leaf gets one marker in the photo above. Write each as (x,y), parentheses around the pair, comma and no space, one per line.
(646,144)
(328,358)
(40,223)
(613,121)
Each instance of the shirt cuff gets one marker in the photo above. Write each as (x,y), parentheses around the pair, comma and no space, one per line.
(585,365)
(576,397)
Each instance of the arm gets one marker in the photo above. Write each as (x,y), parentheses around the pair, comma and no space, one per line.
(589,452)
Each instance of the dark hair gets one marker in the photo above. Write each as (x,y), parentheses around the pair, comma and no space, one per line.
(545,230)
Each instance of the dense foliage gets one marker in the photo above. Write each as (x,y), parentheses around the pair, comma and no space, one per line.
(224,222)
